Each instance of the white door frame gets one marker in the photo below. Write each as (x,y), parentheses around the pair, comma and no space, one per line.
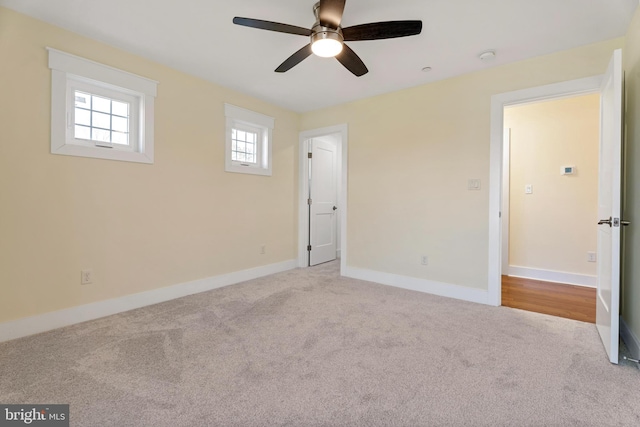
(303,190)
(506,188)
(498,102)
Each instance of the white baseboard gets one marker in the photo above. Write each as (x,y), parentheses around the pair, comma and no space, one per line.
(69,316)
(630,339)
(552,276)
(422,285)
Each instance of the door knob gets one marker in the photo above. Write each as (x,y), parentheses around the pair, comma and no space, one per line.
(334,208)
(605,221)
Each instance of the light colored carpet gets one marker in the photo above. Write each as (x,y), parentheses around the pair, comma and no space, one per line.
(308,348)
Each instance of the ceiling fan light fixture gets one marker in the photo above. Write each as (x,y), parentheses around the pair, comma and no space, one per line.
(327,48)
(326,43)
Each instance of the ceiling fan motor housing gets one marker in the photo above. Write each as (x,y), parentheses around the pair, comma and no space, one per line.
(319,33)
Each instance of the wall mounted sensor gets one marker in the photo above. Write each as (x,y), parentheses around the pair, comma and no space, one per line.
(568,170)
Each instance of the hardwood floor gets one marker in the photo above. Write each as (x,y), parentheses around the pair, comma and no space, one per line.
(556,299)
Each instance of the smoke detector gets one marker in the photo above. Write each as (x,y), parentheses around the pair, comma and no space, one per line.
(487,55)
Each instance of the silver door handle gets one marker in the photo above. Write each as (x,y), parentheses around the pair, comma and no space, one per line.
(616,222)
(605,221)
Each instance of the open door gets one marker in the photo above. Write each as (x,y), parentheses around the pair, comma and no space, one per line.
(609,207)
(323,201)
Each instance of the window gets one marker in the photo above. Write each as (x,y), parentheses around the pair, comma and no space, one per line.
(248,141)
(244,144)
(99,111)
(101,119)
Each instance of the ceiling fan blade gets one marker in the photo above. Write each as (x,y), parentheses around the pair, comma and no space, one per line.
(382,30)
(330,13)
(271,26)
(351,61)
(294,59)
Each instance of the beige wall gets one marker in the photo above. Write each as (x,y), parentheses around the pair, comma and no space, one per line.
(555,226)
(139,227)
(410,155)
(631,207)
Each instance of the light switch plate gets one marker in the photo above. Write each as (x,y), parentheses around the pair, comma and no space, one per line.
(474,184)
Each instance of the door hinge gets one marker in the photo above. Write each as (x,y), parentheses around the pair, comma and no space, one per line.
(309,155)
(309,201)
(309,247)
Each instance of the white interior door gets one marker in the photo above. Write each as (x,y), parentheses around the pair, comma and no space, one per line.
(609,207)
(323,201)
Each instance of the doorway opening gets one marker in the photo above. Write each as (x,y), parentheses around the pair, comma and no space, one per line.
(550,206)
(322,217)
(571,88)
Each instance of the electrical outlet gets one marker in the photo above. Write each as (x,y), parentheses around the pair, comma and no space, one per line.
(263,249)
(424,260)
(591,257)
(86,277)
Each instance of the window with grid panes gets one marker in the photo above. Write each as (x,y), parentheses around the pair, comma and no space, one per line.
(101,119)
(99,111)
(244,145)
(248,141)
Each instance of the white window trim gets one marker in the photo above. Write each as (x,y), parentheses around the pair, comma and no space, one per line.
(240,116)
(67,68)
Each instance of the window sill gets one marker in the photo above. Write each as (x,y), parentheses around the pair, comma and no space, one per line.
(248,170)
(103,153)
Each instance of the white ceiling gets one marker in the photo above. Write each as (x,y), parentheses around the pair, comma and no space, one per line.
(198,37)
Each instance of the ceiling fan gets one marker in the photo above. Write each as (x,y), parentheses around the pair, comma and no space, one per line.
(328,37)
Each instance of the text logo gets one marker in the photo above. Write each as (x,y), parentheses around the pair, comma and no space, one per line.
(34,415)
